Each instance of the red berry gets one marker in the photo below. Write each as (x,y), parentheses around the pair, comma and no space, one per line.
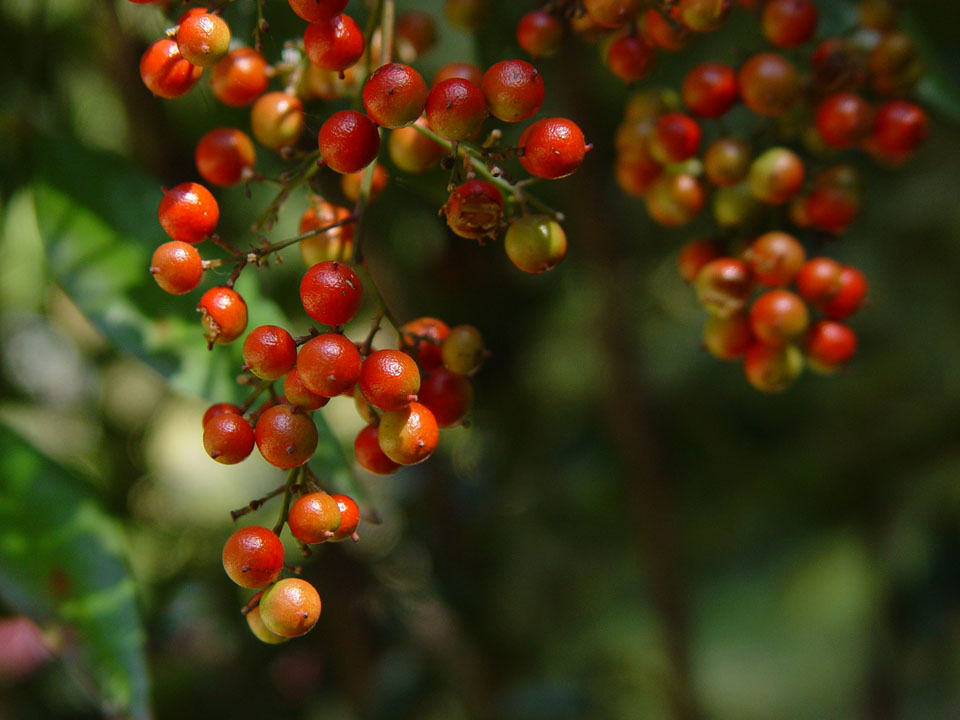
(769,84)
(710,89)
(370,457)
(727,338)
(415,34)
(611,13)
(276,120)
(723,286)
(850,296)
(899,128)
(831,209)
(188,212)
(463,70)
(676,138)
(412,151)
(631,58)
(788,23)
(819,280)
(513,89)
(726,162)
(636,173)
(331,293)
(409,435)
(394,95)
(224,156)
(456,109)
(314,517)
(165,72)
(772,368)
(776,176)
(829,345)
(224,315)
(349,518)
(253,556)
(290,607)
(285,438)
(775,258)
(177,267)
(219,409)
(299,395)
(228,438)
(539,33)
(843,120)
(203,39)
(317,10)
(670,35)
(474,209)
(329,365)
(270,352)
(240,78)
(335,43)
(778,317)
(422,338)
(389,379)
(694,255)
(449,396)
(348,141)
(552,148)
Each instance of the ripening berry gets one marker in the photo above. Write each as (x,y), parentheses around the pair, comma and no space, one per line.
(462,350)
(535,243)
(769,84)
(165,72)
(415,33)
(675,138)
(723,286)
(831,209)
(456,109)
(177,267)
(224,315)
(317,10)
(819,280)
(674,199)
(778,317)
(735,206)
(726,161)
(704,15)
(224,156)
(788,23)
(710,89)
(670,35)
(513,89)
(899,128)
(850,296)
(329,365)
(188,212)
(772,368)
(395,95)
(270,352)
(423,338)
(228,438)
(253,556)
(552,148)
(631,58)
(351,183)
(448,396)
(775,258)
(335,43)
(333,244)
(389,379)
(636,172)
(290,607)
(299,395)
(467,15)
(776,176)
(539,33)
(412,151)
(366,448)
(240,78)
(727,338)
(203,39)
(611,13)
(474,209)
(463,70)
(843,120)
(895,65)
(260,631)
(409,435)
(829,345)
(349,518)
(331,293)
(285,438)
(348,141)
(219,409)
(276,120)
(314,518)
(837,65)
(694,255)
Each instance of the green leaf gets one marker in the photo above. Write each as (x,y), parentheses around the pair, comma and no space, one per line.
(63,563)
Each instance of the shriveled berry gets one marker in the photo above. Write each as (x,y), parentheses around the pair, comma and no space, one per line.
(769,84)
(333,244)
(395,95)
(203,39)
(422,338)
(270,352)
(335,43)
(474,209)
(188,212)
(314,517)
(535,243)
(329,365)
(224,315)
(348,141)
(290,607)
(727,338)
(285,438)
(710,89)
(726,161)
(253,556)
(331,293)
(224,155)
(513,89)
(299,395)
(456,109)
(366,448)
(260,631)
(317,10)
(177,267)
(240,78)
(694,255)
(463,351)
(449,396)
(778,317)
(788,23)
(165,72)
(219,409)
(776,176)
(349,518)
(631,58)
(409,435)
(228,438)
(775,258)
(552,148)
(772,368)
(829,345)
(539,33)
(723,286)
(412,151)
(276,120)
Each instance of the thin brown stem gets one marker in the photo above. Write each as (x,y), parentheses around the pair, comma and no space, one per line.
(256,504)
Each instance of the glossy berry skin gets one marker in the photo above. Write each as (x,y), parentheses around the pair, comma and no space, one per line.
(348,141)
(513,89)
(329,365)
(409,435)
(710,89)
(535,243)
(723,286)
(366,448)
(334,244)
(631,58)
(694,255)
(423,338)
(203,39)
(395,95)
(317,10)
(726,161)
(349,518)
(819,280)
(188,212)
(778,317)
(899,128)
(219,409)
(277,120)
(299,395)
(674,199)
(775,258)
(772,368)
(290,607)
(474,209)
(769,84)
(224,155)
(456,109)
(843,120)
(224,315)
(412,151)
(165,72)
(552,148)
(285,438)
(177,267)
(314,517)
(463,350)
(850,296)
(389,379)
(228,438)
(829,345)
(463,70)
(260,631)
(676,138)
(831,209)
(788,23)
(449,396)
(331,293)
(776,176)
(333,44)
(240,78)
(539,33)
(270,352)
(727,338)
(253,556)
(611,13)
